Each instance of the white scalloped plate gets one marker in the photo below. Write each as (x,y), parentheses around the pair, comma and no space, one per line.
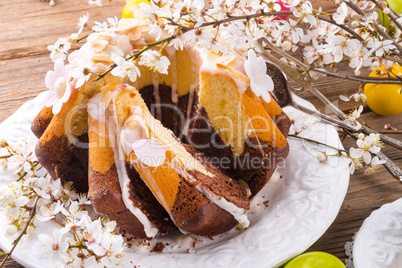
(378,243)
(302,205)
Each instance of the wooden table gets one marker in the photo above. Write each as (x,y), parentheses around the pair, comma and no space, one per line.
(28,26)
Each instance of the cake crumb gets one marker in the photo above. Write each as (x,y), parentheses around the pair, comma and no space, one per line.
(159,247)
(190,251)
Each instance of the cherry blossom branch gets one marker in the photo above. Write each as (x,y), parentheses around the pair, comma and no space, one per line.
(342,26)
(136,55)
(24,231)
(380,31)
(244,17)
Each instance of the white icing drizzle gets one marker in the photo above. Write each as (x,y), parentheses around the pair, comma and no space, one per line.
(238,213)
(94,109)
(197,60)
(173,73)
(155,82)
(149,229)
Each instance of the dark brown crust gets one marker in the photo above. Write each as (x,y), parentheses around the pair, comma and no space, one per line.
(194,213)
(221,184)
(65,161)
(282,121)
(42,121)
(105,195)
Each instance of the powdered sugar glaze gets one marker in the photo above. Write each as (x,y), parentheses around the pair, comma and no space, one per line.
(301,206)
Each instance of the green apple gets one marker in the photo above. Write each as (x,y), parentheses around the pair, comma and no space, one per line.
(315,259)
(396,5)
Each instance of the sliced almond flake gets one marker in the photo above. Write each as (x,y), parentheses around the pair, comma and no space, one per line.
(99,45)
(105,100)
(102,58)
(126,24)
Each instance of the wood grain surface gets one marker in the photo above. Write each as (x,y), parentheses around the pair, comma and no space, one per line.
(29,26)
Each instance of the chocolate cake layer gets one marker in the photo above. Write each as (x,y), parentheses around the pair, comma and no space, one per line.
(173,116)
(194,213)
(105,195)
(254,166)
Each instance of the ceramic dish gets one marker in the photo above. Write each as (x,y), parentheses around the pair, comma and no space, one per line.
(378,243)
(301,206)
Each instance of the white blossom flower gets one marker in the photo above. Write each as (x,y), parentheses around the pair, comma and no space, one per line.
(341,13)
(75,221)
(381,47)
(357,97)
(79,68)
(125,68)
(260,82)
(53,244)
(48,212)
(82,23)
(108,26)
(47,187)
(83,199)
(93,232)
(58,84)
(375,164)
(76,212)
(12,199)
(355,114)
(155,61)
(59,49)
(20,161)
(370,143)
(356,156)
(110,248)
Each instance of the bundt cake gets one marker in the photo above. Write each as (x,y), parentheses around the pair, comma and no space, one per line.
(186,148)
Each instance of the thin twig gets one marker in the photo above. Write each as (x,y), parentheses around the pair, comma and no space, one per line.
(363,79)
(318,142)
(343,27)
(244,17)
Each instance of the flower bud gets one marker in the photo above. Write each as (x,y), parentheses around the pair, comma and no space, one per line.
(3,143)
(11,230)
(30,230)
(287,45)
(321,156)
